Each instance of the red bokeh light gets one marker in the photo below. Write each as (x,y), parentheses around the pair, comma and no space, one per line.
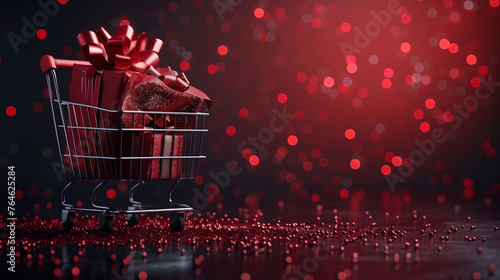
(258,13)
(254,160)
(425,127)
(352,68)
(41,34)
(397,161)
(471,59)
(405,47)
(185,66)
(430,103)
(468,183)
(292,140)
(475,82)
(386,83)
(328,82)
(453,48)
(350,134)
(483,70)
(222,50)
(316,23)
(212,69)
(282,98)
(345,27)
(388,72)
(301,77)
(246,153)
(418,114)
(230,130)
(244,113)
(444,44)
(441,198)
(447,116)
(344,193)
(385,169)
(11,111)
(406,18)
(355,164)
(469,192)
(307,165)
(111,193)
(75,271)
(389,156)
(350,59)
(143,275)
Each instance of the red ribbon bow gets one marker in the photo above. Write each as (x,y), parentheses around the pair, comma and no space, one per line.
(123,51)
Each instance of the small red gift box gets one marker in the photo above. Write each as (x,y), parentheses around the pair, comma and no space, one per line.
(96,88)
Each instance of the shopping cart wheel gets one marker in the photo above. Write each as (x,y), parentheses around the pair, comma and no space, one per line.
(105,224)
(67,219)
(133,219)
(177,221)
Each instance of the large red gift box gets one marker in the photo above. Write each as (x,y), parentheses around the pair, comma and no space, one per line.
(96,131)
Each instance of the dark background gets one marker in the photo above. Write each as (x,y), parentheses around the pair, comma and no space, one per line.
(255,71)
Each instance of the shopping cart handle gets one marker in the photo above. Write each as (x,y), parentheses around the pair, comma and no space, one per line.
(48,62)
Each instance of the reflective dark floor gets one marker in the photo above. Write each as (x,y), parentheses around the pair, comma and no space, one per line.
(428,241)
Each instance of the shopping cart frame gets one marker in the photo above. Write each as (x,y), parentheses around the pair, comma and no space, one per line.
(59,107)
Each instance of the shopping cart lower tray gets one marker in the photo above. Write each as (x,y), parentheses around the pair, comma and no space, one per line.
(96,148)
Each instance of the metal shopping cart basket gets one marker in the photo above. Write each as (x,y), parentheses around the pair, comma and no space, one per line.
(114,154)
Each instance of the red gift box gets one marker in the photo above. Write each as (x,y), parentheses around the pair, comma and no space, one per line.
(117,82)
(97,88)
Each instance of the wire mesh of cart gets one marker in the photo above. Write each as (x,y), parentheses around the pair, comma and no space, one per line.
(100,150)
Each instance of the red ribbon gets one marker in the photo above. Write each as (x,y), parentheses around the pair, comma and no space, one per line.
(123,51)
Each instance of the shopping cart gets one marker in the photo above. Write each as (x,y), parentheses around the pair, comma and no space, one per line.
(112,153)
